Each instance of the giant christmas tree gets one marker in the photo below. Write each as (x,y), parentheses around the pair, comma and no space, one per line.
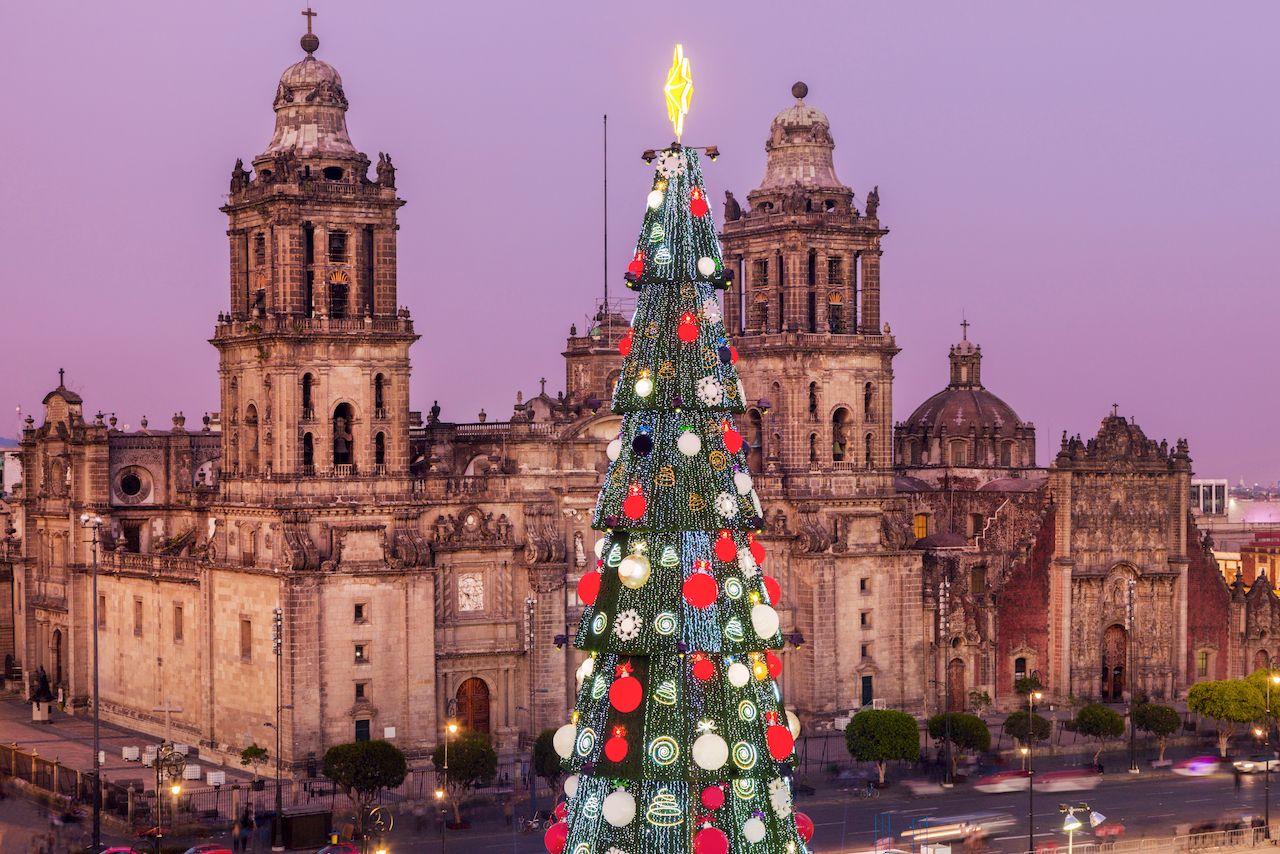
(679,741)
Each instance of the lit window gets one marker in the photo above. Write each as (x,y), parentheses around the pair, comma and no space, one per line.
(920,526)
(362,654)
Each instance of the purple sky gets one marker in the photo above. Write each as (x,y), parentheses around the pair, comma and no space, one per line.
(1094,184)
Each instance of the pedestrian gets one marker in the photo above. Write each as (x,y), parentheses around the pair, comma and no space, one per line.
(235,835)
(1236,773)
(246,827)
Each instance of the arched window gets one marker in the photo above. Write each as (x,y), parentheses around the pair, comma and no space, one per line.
(813,400)
(755,440)
(380,450)
(1006,454)
(835,313)
(840,424)
(308,454)
(868,441)
(1019,668)
(251,440)
(868,393)
(813,449)
(913,453)
(978,579)
(308,405)
(343,435)
(339,289)
(378,385)
(957,452)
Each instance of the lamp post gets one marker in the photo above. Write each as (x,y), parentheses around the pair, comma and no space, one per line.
(94,525)
(277,639)
(1133,730)
(1032,697)
(1071,824)
(450,728)
(443,811)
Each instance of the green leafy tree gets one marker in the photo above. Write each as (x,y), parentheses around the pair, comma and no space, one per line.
(881,736)
(1229,702)
(255,756)
(679,616)
(1159,721)
(1027,684)
(1100,723)
(968,733)
(471,760)
(546,762)
(362,769)
(979,702)
(1017,726)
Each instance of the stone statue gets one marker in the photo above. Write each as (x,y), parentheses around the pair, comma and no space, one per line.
(239,177)
(795,201)
(873,201)
(342,440)
(732,210)
(386,172)
(42,694)
(435,411)
(579,553)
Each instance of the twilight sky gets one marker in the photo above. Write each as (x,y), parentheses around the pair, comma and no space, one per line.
(1093,183)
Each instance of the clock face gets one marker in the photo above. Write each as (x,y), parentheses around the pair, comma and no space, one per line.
(471,591)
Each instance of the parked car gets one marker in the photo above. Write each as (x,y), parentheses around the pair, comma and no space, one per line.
(1197,766)
(1068,780)
(1257,764)
(1004,781)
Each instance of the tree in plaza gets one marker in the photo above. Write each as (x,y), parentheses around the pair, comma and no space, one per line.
(884,735)
(472,759)
(1159,721)
(966,733)
(1018,726)
(255,756)
(362,769)
(679,741)
(1229,702)
(1025,685)
(1098,722)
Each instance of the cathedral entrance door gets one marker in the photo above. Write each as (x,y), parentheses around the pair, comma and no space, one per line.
(1115,646)
(473,705)
(956,689)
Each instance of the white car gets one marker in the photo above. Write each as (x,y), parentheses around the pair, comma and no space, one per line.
(1257,764)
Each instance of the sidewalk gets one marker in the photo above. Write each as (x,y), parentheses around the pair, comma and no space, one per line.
(69,740)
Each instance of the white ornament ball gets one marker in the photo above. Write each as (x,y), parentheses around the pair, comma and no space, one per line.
(753,829)
(612,451)
(711,310)
(644,386)
(706,267)
(655,199)
(793,724)
(600,546)
(764,620)
(710,752)
(742,482)
(634,571)
(619,808)
(689,444)
(746,562)
(726,505)
(564,739)
(739,674)
(571,785)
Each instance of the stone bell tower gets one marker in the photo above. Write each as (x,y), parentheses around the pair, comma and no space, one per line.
(314,353)
(806,318)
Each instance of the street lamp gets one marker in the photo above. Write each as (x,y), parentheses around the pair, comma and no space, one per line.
(1071,824)
(450,728)
(94,525)
(443,811)
(1032,698)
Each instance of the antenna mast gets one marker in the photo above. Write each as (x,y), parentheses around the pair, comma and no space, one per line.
(605,169)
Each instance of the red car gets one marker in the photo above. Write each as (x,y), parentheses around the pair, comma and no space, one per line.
(1004,781)
(207,848)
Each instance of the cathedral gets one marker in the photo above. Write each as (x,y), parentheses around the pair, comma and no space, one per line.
(425,570)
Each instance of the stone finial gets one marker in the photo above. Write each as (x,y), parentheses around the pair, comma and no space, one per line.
(142,425)
(799,90)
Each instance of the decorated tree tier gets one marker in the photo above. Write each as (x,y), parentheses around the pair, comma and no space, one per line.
(679,740)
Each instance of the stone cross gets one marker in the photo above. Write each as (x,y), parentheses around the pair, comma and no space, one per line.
(964,327)
(309,15)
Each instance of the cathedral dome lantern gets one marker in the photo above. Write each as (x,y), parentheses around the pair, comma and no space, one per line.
(965,425)
(800,162)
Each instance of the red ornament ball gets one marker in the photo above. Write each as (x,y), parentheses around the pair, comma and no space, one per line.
(615,749)
(774,663)
(804,825)
(704,669)
(710,840)
(700,590)
(589,587)
(556,836)
(733,355)
(732,441)
(637,264)
(625,694)
(687,331)
(561,810)
(624,345)
(698,206)
(780,740)
(634,506)
(757,551)
(726,548)
(773,588)
(713,797)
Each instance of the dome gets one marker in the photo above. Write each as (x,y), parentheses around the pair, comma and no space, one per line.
(310,107)
(310,72)
(799,154)
(957,410)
